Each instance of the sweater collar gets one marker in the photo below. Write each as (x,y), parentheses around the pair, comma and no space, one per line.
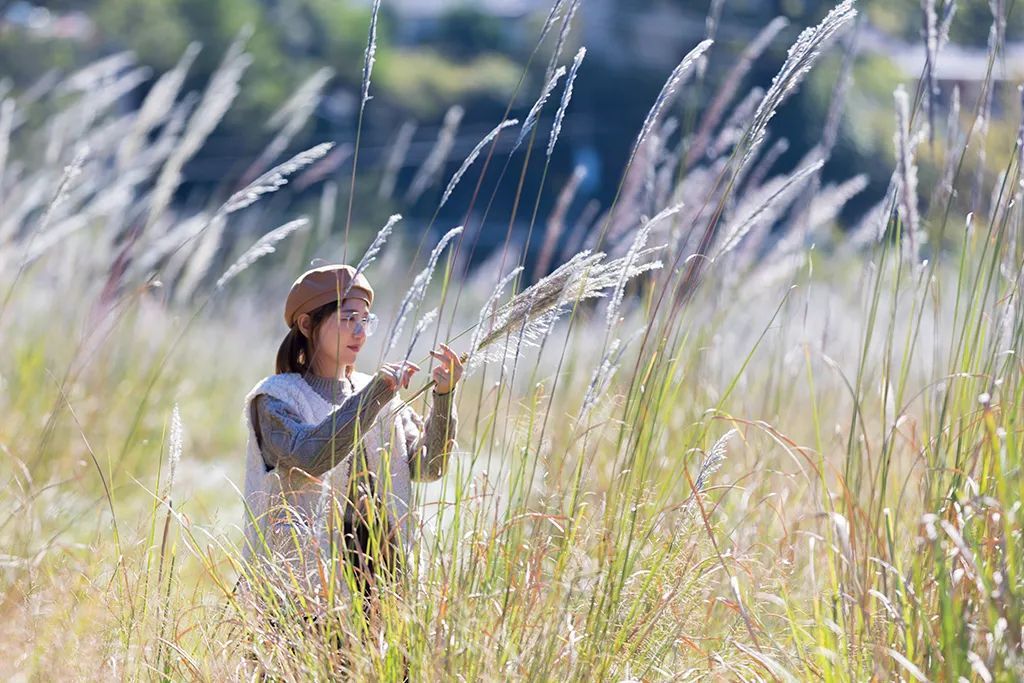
(330,389)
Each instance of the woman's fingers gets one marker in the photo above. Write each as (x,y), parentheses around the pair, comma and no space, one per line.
(401,373)
(447,354)
(448,371)
(410,370)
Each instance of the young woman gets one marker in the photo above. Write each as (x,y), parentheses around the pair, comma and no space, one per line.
(332,451)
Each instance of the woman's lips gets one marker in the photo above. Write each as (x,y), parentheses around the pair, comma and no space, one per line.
(354,347)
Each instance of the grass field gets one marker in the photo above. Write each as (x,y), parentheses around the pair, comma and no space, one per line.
(789,455)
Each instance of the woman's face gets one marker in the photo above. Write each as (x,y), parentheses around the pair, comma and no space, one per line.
(337,342)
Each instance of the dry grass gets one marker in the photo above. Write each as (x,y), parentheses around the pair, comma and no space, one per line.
(788,462)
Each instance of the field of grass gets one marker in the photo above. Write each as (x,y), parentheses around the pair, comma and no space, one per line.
(788,455)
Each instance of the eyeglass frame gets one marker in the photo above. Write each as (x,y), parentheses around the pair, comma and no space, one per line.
(368,323)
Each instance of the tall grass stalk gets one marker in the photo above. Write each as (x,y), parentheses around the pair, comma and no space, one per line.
(862,523)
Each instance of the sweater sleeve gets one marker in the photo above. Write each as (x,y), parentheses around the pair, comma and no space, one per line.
(430,444)
(287,442)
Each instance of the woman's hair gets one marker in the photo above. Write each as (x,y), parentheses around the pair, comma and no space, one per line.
(296,351)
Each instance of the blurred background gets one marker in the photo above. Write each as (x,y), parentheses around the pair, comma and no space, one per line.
(446,58)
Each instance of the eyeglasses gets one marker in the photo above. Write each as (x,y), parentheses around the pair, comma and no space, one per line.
(353,322)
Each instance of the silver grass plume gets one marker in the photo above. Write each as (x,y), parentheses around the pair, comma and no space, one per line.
(601,377)
(426,321)
(328,202)
(998,9)
(983,118)
(60,196)
(730,85)
(907,170)
(375,246)
(765,164)
(556,220)
(195,265)
(275,178)
(175,446)
(822,208)
(77,121)
(996,193)
(931,52)
(181,233)
(371,53)
(531,117)
(468,161)
(639,242)
(953,137)
(935,36)
(396,156)
(732,130)
(71,172)
(158,102)
(550,20)
(563,33)
(799,59)
(556,128)
(711,464)
(219,94)
(305,97)
(94,75)
(414,295)
(290,118)
(370,255)
(872,226)
(827,204)
(486,315)
(603,374)
(675,80)
(167,141)
(837,103)
(1019,195)
(710,31)
(765,209)
(830,131)
(533,311)
(6,124)
(437,155)
(263,246)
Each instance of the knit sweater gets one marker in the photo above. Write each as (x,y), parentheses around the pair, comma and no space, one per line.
(302,434)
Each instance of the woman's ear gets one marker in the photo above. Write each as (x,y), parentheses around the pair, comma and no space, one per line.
(305,324)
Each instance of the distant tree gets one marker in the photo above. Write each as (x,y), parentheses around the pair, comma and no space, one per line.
(465,32)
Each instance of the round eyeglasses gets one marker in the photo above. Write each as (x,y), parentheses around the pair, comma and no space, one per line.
(354,322)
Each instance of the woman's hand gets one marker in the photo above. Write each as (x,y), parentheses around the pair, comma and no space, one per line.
(399,374)
(448,370)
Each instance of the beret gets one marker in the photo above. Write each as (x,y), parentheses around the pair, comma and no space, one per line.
(322,285)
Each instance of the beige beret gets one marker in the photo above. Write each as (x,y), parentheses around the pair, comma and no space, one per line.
(322,285)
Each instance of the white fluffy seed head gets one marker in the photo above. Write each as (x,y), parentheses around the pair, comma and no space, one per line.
(556,127)
(275,178)
(414,295)
(468,161)
(263,246)
(175,446)
(531,117)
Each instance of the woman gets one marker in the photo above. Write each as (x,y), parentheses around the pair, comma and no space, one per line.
(332,451)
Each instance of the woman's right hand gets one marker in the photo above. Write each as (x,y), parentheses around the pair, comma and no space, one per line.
(398,374)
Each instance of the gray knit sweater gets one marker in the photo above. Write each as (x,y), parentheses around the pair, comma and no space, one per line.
(287,441)
(302,433)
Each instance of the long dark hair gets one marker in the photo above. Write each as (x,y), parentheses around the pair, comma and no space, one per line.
(296,351)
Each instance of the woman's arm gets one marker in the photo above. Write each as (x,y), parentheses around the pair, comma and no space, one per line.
(287,442)
(430,444)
